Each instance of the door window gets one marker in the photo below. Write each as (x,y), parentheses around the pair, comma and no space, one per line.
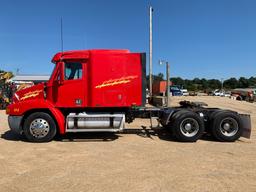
(73,71)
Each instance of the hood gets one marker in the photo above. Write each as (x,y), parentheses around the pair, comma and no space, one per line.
(34,92)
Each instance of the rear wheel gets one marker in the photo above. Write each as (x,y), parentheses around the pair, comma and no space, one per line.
(226,126)
(187,126)
(39,127)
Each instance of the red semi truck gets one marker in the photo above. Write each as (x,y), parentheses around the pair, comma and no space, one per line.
(100,90)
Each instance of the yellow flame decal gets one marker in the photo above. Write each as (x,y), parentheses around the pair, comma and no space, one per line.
(16,110)
(31,94)
(113,82)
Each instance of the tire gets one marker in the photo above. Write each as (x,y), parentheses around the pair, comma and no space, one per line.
(208,127)
(39,127)
(226,126)
(187,126)
(169,125)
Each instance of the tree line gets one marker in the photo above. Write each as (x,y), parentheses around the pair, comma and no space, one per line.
(203,84)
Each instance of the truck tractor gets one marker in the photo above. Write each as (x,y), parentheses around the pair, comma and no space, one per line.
(100,90)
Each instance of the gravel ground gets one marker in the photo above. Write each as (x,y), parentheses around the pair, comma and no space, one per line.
(141,160)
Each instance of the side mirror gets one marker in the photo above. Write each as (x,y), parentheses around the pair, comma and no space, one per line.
(61,70)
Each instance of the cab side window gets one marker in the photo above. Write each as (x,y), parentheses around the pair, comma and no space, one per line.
(73,71)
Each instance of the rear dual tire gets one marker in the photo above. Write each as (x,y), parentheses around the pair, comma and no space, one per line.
(225,126)
(186,126)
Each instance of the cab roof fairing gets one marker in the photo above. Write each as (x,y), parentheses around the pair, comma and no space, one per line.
(84,54)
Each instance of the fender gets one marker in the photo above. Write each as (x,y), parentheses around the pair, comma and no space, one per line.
(60,119)
(20,108)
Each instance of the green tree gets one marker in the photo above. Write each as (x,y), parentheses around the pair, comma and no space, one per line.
(214,84)
(252,81)
(177,81)
(209,84)
(231,83)
(205,84)
(243,82)
(196,81)
(158,77)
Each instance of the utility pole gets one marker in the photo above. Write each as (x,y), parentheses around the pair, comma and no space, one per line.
(168,83)
(161,62)
(222,84)
(150,49)
(17,71)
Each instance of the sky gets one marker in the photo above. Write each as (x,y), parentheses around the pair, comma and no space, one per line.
(199,38)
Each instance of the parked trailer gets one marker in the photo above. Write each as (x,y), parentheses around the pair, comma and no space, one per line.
(100,90)
(159,87)
(246,94)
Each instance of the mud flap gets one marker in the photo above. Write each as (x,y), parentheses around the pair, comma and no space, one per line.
(246,125)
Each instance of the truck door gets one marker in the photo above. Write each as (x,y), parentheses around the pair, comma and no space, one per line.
(70,92)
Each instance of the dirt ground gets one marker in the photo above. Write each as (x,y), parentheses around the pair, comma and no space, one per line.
(138,161)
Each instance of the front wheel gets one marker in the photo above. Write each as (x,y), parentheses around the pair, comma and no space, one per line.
(187,126)
(39,127)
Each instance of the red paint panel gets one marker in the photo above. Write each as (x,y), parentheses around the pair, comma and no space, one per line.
(21,107)
(114,80)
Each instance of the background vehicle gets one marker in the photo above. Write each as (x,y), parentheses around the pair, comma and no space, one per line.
(217,92)
(184,92)
(100,90)
(175,91)
(246,94)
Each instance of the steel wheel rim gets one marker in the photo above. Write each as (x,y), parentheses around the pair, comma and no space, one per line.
(39,128)
(229,126)
(189,127)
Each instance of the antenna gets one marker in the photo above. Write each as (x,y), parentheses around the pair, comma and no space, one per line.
(150,49)
(17,71)
(61,35)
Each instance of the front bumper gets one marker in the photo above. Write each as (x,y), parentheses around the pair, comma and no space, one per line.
(15,123)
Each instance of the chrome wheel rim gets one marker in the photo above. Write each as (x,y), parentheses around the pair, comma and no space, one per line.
(229,126)
(189,127)
(39,128)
